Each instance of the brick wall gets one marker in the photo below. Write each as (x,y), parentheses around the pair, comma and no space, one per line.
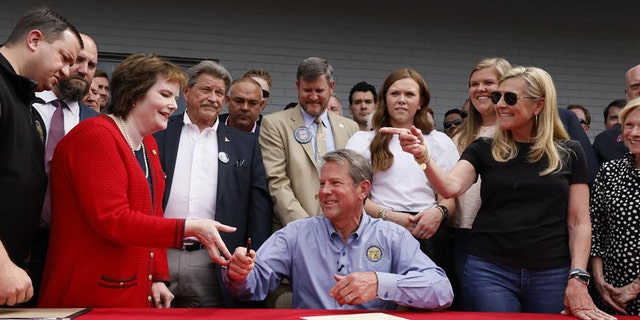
(586,46)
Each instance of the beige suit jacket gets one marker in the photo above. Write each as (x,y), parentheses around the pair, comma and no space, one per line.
(291,171)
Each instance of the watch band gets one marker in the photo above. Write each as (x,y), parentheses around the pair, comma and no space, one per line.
(445,212)
(580,275)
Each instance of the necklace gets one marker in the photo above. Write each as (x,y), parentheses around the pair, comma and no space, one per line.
(144,153)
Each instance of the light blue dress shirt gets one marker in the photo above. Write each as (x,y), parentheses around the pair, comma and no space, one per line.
(309,122)
(310,251)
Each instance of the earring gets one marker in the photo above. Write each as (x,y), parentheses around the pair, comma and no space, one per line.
(536,119)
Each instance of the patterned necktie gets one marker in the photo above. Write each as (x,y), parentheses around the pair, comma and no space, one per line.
(321,141)
(56,132)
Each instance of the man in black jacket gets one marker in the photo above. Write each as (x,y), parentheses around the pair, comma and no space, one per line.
(40,50)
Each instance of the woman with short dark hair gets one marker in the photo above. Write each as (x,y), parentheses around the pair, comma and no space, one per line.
(108,234)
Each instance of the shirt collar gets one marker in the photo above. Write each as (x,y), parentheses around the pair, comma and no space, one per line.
(187,121)
(309,119)
(49,96)
(364,222)
(253,130)
(24,87)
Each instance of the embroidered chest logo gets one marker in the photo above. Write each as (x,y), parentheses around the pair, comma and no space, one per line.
(374,253)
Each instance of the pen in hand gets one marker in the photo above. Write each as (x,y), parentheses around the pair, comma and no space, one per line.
(248,254)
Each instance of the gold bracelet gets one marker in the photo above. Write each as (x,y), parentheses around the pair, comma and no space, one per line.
(423,163)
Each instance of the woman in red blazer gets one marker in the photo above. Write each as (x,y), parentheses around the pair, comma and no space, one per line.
(108,234)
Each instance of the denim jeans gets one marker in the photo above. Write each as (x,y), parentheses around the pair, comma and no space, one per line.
(491,287)
(461,238)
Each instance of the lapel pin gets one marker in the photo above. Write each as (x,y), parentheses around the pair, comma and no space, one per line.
(226,139)
(224,157)
(302,134)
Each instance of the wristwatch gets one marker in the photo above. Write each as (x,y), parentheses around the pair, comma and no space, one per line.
(445,212)
(581,275)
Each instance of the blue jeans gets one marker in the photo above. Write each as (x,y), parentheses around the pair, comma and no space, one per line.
(461,238)
(491,287)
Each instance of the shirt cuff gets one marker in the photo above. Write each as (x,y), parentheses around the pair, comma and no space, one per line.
(235,287)
(386,286)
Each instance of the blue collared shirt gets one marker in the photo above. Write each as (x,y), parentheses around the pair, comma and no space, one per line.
(309,122)
(310,251)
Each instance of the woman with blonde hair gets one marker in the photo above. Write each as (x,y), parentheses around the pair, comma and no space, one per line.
(615,200)
(480,122)
(531,236)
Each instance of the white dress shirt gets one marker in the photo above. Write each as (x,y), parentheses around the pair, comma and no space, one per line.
(195,179)
(71,115)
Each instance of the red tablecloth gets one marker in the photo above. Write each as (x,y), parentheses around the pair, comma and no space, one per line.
(266,314)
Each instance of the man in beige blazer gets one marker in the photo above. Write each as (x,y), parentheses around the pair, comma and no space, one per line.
(288,143)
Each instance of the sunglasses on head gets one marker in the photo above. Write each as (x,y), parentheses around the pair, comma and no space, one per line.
(265,93)
(455,122)
(510,98)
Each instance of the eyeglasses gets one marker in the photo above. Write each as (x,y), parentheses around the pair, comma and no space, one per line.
(510,98)
(265,93)
(582,122)
(455,122)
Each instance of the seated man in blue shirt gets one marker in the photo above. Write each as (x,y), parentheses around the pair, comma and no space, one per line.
(343,259)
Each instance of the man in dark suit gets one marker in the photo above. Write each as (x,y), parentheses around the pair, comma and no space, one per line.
(245,103)
(213,171)
(576,132)
(71,90)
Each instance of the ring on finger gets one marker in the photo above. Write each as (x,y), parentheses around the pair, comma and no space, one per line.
(349,297)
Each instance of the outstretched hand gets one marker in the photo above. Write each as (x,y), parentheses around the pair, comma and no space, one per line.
(411,140)
(207,232)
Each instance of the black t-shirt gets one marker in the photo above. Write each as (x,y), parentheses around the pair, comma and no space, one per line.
(522,221)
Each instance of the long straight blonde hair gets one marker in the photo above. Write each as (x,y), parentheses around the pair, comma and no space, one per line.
(548,133)
(468,132)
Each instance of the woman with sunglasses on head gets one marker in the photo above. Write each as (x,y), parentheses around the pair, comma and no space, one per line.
(400,192)
(614,203)
(531,236)
(480,122)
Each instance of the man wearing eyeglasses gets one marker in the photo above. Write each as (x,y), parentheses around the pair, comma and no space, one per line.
(583,115)
(452,120)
